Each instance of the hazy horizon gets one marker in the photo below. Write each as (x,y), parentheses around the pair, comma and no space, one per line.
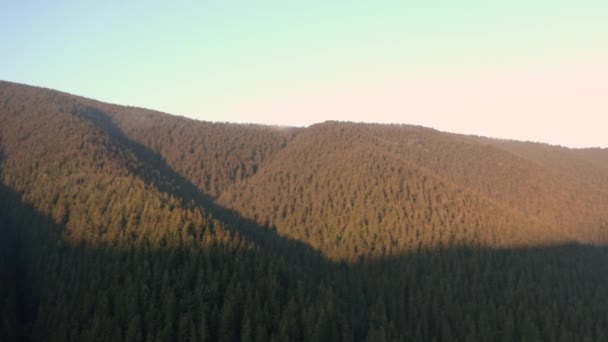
(510,70)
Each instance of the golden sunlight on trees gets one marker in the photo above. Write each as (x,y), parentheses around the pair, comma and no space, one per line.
(123,224)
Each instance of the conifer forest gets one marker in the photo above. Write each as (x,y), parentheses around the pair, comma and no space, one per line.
(124,224)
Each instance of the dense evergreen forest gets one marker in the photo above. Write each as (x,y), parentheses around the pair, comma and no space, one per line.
(124,224)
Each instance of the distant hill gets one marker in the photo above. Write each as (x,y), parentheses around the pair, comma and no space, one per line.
(121,223)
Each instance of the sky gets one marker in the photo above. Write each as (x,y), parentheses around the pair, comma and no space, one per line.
(529,70)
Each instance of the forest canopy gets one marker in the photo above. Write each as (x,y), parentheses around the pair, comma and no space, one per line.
(124,224)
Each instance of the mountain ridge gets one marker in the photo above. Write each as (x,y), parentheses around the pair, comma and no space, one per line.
(123,224)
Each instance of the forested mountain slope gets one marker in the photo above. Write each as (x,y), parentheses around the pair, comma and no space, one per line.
(210,155)
(572,207)
(585,165)
(89,217)
(123,224)
(349,189)
(347,197)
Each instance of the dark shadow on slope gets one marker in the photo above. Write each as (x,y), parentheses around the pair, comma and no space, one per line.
(9,265)
(155,172)
(16,308)
(53,290)
(102,293)
(9,281)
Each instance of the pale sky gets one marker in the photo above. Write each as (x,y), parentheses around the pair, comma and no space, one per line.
(527,70)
